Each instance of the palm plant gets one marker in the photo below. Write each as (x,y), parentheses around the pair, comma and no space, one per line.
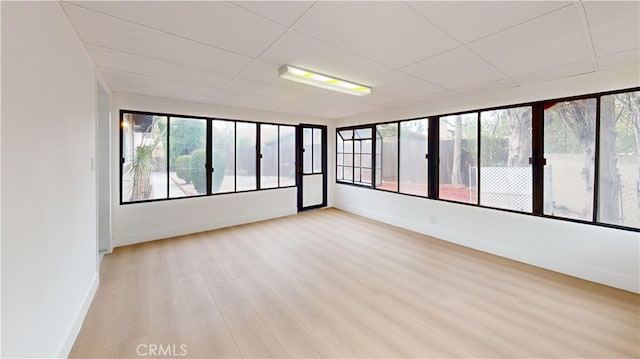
(142,164)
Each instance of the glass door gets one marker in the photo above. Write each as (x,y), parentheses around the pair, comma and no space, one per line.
(312,166)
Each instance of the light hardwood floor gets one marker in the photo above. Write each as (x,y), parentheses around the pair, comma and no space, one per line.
(330,284)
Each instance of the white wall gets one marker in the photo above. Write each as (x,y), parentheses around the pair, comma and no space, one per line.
(48,189)
(103,164)
(599,254)
(141,222)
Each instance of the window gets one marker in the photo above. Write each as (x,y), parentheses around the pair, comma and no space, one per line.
(569,149)
(459,158)
(144,168)
(506,176)
(269,156)
(413,156)
(167,157)
(355,160)
(224,164)
(246,135)
(312,150)
(344,155)
(307,150)
(187,157)
(387,156)
(619,176)
(576,159)
(362,156)
(287,157)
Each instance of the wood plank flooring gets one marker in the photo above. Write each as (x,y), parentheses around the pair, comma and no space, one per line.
(330,284)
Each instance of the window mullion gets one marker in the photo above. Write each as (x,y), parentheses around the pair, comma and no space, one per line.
(434,157)
(537,157)
(596,169)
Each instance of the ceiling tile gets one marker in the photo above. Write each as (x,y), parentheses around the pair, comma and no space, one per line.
(470,20)
(118,60)
(306,109)
(300,50)
(230,97)
(557,72)
(403,85)
(454,69)
(345,102)
(618,59)
(377,99)
(282,12)
(267,73)
(438,96)
(549,41)
(268,91)
(385,100)
(215,23)
(169,93)
(487,86)
(614,25)
(127,82)
(107,31)
(388,32)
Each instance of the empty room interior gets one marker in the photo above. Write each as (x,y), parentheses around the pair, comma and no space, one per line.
(333,179)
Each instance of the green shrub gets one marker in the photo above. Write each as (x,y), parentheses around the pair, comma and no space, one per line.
(198,172)
(183,168)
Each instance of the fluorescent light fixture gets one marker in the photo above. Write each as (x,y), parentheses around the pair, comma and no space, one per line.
(319,80)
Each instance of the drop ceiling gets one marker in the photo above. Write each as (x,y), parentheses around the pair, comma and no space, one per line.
(411,53)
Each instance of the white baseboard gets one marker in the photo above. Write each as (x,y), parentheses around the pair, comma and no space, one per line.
(590,273)
(140,237)
(78,319)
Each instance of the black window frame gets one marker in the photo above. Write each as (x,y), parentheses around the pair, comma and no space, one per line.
(353,166)
(209,155)
(537,160)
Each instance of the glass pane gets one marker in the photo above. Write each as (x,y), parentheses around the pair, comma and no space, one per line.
(365,146)
(346,134)
(348,173)
(317,150)
(269,160)
(348,159)
(307,145)
(505,173)
(459,157)
(187,157)
(223,140)
(363,134)
(366,176)
(144,174)
(619,194)
(339,156)
(378,161)
(348,146)
(128,149)
(245,156)
(365,161)
(413,161)
(363,157)
(569,146)
(287,156)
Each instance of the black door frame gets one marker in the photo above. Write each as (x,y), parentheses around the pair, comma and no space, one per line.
(300,167)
